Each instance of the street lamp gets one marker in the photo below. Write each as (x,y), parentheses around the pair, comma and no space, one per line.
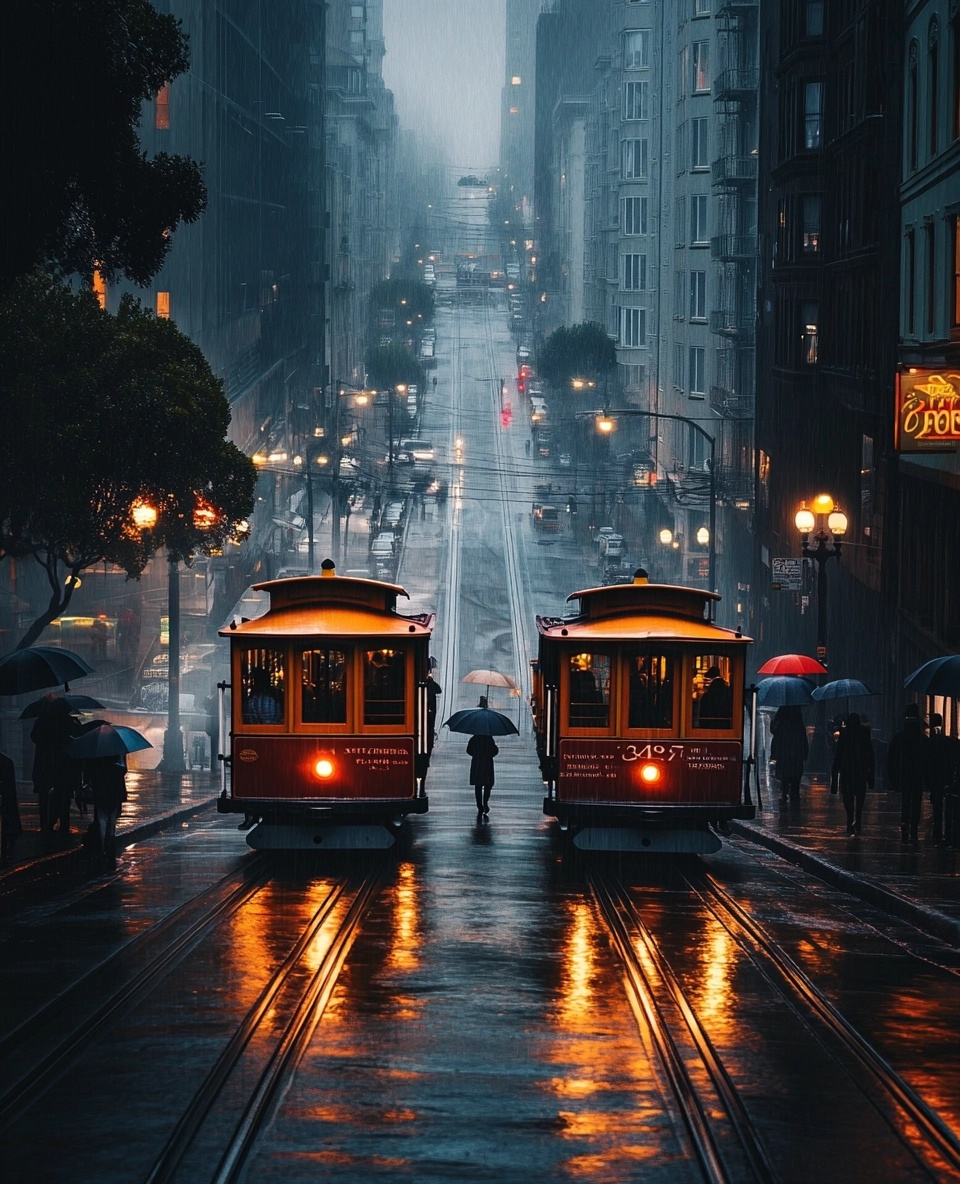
(822,516)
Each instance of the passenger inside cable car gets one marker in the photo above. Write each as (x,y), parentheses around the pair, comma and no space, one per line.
(713,700)
(262,674)
(384,685)
(650,701)
(324,686)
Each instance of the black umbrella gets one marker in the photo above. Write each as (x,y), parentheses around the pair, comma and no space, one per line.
(941,676)
(39,666)
(107,740)
(76,703)
(481,721)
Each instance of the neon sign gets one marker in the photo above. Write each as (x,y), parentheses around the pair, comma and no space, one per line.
(928,411)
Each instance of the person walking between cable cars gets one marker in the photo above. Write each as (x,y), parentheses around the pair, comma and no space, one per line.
(788,749)
(853,770)
(482,750)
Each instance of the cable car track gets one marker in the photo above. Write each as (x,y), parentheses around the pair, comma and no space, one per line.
(696,1073)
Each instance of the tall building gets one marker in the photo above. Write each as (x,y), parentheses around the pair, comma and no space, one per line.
(517,105)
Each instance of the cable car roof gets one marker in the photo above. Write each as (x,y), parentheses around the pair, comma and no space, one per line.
(637,626)
(316,621)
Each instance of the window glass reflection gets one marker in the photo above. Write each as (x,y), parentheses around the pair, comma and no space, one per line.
(589,691)
(324,686)
(650,693)
(384,687)
(712,697)
(261,676)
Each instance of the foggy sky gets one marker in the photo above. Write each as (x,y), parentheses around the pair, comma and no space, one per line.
(444,63)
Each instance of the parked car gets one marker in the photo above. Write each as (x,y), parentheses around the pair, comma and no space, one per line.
(384,545)
(422,451)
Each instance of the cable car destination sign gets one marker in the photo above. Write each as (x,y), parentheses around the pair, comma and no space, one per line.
(928,411)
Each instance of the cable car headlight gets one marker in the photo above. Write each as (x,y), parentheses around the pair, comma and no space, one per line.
(651,774)
(324,768)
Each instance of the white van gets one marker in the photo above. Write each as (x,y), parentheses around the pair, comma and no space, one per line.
(384,545)
(422,451)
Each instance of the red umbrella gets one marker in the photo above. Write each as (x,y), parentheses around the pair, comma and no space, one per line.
(792,664)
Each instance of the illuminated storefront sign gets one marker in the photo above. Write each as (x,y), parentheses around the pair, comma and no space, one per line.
(928,411)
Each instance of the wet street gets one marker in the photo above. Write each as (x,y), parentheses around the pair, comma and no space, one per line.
(481,1003)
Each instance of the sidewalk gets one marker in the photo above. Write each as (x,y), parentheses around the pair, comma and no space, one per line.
(154,800)
(920,886)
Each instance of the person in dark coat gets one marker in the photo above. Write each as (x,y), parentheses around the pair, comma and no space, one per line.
(853,770)
(10,825)
(716,703)
(908,768)
(107,778)
(56,776)
(482,750)
(789,748)
(944,775)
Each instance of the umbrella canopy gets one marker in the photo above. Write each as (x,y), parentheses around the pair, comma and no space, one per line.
(107,740)
(76,703)
(481,721)
(941,676)
(39,666)
(843,688)
(783,691)
(490,678)
(792,664)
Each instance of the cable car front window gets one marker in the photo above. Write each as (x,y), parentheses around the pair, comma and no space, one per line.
(589,691)
(261,677)
(324,686)
(712,697)
(650,694)
(384,687)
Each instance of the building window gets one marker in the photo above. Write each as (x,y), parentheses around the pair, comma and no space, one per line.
(698,220)
(636,49)
(678,277)
(930,233)
(161,109)
(913,106)
(636,100)
(810,207)
(634,159)
(163,305)
(515,80)
(911,283)
(810,312)
(701,7)
(634,273)
(680,221)
(633,215)
(680,147)
(698,296)
(696,371)
(933,85)
(811,114)
(678,367)
(955,276)
(698,144)
(813,18)
(700,62)
(633,327)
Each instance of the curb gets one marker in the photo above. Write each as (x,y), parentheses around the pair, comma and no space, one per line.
(930,920)
(50,865)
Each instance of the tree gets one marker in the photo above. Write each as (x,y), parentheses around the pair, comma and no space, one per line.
(103,413)
(583,351)
(388,365)
(86,197)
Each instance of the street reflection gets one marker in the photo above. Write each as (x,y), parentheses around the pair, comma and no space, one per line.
(579,968)
(713,991)
(403,954)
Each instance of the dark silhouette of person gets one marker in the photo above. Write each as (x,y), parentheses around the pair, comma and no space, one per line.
(211,725)
(853,770)
(908,768)
(716,702)
(482,750)
(10,825)
(56,776)
(789,749)
(944,774)
(434,691)
(107,779)
(262,705)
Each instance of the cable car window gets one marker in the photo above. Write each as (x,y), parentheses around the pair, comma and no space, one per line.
(261,676)
(712,697)
(324,686)
(589,691)
(384,687)
(650,692)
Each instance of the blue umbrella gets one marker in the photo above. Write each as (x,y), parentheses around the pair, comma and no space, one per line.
(481,721)
(107,740)
(784,690)
(941,676)
(843,688)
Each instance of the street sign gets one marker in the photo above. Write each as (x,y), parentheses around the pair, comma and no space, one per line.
(787,574)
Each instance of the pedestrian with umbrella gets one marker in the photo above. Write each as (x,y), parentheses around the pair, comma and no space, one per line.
(56,776)
(789,749)
(908,766)
(853,770)
(482,725)
(103,748)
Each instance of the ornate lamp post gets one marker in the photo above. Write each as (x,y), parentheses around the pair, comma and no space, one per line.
(824,517)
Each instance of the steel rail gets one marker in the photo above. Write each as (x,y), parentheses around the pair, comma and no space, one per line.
(181,1138)
(796,986)
(226,897)
(293,1043)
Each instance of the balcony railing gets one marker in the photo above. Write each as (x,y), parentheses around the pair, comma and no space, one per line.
(733,246)
(734,170)
(732,322)
(736,83)
(730,404)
